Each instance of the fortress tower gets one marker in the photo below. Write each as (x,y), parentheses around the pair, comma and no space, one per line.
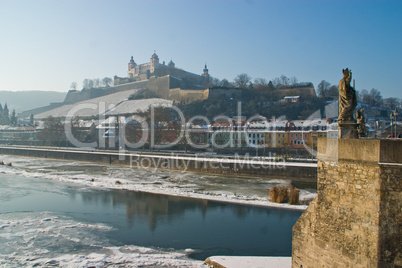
(205,74)
(154,62)
(171,64)
(131,64)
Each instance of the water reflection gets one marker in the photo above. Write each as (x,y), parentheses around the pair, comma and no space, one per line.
(208,226)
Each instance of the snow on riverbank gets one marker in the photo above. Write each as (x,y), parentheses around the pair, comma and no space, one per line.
(250,262)
(247,191)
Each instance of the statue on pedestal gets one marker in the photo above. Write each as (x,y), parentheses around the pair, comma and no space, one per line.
(361,121)
(347,98)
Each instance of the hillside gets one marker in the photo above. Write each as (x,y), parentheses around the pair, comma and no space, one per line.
(26,100)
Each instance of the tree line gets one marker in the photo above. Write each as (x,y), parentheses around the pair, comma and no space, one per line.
(245,81)
(372,98)
(93,83)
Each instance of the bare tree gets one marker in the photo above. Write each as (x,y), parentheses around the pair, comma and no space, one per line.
(260,81)
(224,83)
(363,96)
(333,91)
(73,86)
(90,83)
(242,80)
(372,97)
(293,81)
(96,82)
(391,103)
(323,89)
(107,81)
(85,83)
(215,81)
(276,82)
(375,97)
(284,80)
(53,132)
(134,132)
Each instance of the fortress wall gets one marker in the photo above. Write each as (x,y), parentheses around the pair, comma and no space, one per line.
(160,86)
(74,96)
(177,94)
(128,86)
(355,220)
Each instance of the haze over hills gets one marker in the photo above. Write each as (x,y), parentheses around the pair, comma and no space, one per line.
(30,99)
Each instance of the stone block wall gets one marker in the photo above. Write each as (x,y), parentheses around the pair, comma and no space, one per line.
(356,219)
(390,240)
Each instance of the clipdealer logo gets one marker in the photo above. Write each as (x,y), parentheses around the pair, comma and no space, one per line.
(237,137)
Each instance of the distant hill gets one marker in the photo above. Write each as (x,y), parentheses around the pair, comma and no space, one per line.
(26,100)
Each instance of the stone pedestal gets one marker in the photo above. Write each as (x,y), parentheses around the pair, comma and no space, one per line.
(348,130)
(355,220)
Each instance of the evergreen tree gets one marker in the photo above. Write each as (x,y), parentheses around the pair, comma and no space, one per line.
(13,119)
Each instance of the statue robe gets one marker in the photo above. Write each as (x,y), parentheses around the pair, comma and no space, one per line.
(347,100)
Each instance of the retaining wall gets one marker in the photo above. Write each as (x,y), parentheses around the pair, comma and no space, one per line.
(239,166)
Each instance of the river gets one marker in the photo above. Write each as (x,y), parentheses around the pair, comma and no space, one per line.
(64,213)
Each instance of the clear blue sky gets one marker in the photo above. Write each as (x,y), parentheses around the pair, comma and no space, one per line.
(46,45)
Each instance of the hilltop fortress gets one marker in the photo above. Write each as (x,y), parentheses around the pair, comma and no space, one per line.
(166,81)
(145,71)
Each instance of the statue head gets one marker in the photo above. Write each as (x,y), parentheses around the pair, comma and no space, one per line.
(345,72)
